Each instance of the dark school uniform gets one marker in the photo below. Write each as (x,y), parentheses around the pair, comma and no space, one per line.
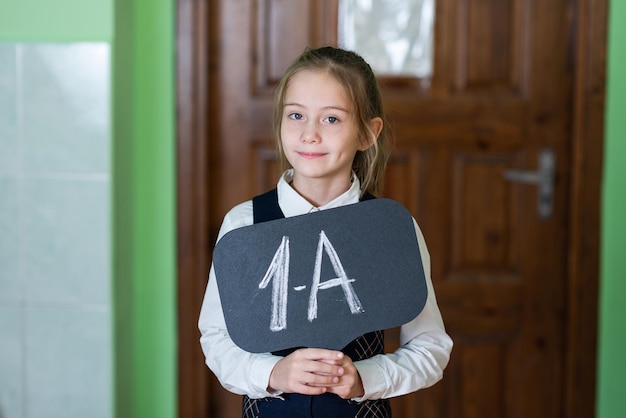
(328,405)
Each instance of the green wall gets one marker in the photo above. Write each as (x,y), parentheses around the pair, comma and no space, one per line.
(612,340)
(145,199)
(141,33)
(56,21)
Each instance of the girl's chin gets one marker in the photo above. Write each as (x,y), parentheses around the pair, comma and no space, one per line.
(319,175)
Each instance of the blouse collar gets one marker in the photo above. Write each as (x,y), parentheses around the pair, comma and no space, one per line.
(293,204)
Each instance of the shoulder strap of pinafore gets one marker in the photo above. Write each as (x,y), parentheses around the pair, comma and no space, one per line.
(266,207)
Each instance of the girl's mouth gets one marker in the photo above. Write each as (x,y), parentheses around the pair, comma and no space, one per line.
(311,155)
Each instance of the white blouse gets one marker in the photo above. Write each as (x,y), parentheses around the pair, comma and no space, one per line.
(418,363)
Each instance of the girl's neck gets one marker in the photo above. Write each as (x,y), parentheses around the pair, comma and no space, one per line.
(319,192)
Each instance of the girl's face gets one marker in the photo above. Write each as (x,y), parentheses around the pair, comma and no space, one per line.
(319,132)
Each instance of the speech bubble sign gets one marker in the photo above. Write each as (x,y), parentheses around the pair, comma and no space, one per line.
(320,279)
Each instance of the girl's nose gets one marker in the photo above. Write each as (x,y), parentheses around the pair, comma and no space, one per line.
(310,134)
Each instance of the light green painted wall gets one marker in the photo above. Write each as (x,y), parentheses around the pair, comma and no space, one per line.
(144,183)
(56,21)
(612,340)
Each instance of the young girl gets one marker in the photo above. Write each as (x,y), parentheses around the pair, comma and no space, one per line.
(334,143)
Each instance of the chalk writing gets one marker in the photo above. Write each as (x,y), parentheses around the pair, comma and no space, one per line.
(341,280)
(278,274)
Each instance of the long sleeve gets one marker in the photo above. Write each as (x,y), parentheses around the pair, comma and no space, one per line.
(423,354)
(237,370)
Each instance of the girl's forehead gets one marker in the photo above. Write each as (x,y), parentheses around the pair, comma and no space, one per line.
(318,83)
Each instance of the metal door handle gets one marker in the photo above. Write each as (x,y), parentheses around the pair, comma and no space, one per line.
(543,178)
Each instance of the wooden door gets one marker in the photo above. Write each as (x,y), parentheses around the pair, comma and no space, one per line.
(501,92)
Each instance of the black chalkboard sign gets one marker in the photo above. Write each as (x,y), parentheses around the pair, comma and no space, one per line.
(321,279)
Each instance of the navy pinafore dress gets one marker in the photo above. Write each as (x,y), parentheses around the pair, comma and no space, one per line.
(328,405)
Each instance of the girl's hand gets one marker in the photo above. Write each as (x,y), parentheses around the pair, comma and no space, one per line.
(309,371)
(349,385)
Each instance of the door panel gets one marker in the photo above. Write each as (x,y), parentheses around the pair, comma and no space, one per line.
(501,91)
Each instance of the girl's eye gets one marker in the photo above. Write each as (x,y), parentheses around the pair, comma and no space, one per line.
(332,119)
(295,116)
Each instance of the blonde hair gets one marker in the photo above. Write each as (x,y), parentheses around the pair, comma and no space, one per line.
(358,79)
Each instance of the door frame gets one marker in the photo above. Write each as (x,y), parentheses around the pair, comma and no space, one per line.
(196,50)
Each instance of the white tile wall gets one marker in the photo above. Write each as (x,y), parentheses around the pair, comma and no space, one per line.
(55,231)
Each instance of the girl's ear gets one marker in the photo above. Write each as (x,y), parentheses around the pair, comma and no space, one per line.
(376,126)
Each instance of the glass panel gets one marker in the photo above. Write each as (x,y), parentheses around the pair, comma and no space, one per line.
(394,36)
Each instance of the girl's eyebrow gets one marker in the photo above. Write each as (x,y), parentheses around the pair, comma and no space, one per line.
(330,107)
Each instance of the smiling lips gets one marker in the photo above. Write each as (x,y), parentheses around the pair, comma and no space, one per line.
(310,155)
